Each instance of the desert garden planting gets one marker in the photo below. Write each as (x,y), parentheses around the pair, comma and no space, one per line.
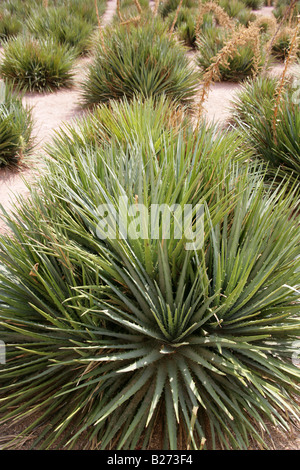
(149,235)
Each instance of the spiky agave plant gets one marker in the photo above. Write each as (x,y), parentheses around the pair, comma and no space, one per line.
(127,121)
(37,65)
(253,113)
(15,126)
(254,4)
(185,25)
(122,337)
(139,60)
(165,8)
(9,25)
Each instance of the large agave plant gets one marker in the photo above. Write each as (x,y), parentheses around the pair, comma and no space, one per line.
(139,60)
(121,337)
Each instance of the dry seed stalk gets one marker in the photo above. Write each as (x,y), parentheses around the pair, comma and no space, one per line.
(156,5)
(240,37)
(291,15)
(100,27)
(257,55)
(271,42)
(291,56)
(221,15)
(176,17)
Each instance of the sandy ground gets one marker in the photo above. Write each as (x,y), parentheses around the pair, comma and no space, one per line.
(51,110)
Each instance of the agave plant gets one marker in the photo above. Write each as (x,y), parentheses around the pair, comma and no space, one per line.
(282,43)
(281,8)
(15,126)
(246,16)
(128,10)
(139,60)
(240,65)
(120,337)
(253,113)
(232,7)
(37,65)
(62,26)
(9,26)
(165,8)
(185,25)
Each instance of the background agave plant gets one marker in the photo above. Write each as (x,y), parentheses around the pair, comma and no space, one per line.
(138,120)
(239,66)
(9,26)
(15,126)
(124,337)
(185,25)
(254,4)
(165,8)
(281,7)
(139,60)
(253,113)
(37,65)
(62,26)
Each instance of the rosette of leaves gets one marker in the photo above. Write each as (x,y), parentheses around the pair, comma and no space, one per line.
(169,6)
(118,338)
(282,43)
